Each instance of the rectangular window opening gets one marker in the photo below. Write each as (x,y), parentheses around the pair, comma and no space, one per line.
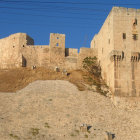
(108,41)
(124,35)
(102,50)
(57,44)
(135,22)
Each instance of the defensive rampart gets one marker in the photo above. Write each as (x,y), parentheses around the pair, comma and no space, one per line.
(18,50)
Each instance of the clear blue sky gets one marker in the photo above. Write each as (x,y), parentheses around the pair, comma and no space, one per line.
(79,20)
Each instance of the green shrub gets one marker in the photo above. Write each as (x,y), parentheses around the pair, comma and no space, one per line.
(77,131)
(14,136)
(34,131)
(91,65)
(72,134)
(47,125)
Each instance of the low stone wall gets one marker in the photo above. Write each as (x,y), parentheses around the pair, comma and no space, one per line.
(18,50)
(70,62)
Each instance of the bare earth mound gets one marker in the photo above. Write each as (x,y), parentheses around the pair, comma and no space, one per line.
(16,79)
(54,110)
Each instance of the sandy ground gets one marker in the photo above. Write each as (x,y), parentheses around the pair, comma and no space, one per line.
(16,79)
(55,110)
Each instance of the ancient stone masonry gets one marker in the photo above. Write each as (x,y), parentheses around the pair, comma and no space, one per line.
(18,50)
(117,47)
(118,51)
(10,49)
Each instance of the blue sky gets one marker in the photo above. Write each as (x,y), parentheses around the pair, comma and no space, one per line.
(79,20)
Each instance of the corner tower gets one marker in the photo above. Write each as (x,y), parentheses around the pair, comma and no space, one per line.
(117,44)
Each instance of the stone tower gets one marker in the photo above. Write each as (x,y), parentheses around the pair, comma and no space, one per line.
(57,49)
(118,49)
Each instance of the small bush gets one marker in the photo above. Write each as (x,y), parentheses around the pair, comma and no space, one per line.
(47,125)
(77,131)
(88,131)
(50,99)
(34,131)
(86,136)
(14,136)
(72,134)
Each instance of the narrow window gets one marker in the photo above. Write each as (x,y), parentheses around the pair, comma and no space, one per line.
(57,44)
(122,54)
(108,41)
(135,22)
(124,35)
(23,46)
(102,50)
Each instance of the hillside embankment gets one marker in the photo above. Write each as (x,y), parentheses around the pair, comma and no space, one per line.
(16,79)
(56,110)
(42,104)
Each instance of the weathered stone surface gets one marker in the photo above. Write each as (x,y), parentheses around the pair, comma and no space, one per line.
(18,50)
(118,51)
(116,46)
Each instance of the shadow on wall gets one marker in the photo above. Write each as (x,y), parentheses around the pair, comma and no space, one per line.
(29,40)
(66,51)
(71,52)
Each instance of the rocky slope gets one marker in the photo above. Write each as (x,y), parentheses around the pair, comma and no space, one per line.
(55,110)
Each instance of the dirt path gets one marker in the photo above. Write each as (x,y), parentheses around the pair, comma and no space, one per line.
(55,109)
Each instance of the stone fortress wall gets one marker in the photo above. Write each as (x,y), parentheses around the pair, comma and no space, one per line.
(18,50)
(118,48)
